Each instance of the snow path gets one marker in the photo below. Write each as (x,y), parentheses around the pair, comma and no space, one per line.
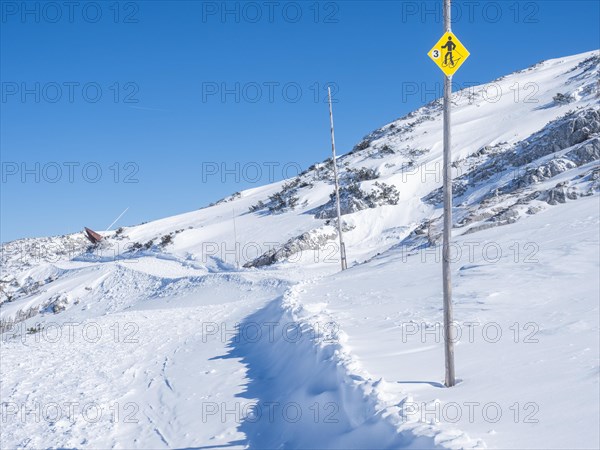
(312,393)
(303,377)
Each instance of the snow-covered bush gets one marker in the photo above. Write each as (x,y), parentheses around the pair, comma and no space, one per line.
(280,202)
(254,208)
(353,199)
(386,150)
(563,99)
(362,145)
(166,240)
(57,303)
(362,174)
(284,200)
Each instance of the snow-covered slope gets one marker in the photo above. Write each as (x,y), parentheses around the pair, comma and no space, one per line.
(231,326)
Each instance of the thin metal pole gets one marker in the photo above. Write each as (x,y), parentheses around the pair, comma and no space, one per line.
(235,241)
(448,328)
(337,187)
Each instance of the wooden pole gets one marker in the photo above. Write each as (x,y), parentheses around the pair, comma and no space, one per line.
(337,187)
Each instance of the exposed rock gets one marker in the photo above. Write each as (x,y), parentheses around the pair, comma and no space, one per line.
(353,199)
(311,240)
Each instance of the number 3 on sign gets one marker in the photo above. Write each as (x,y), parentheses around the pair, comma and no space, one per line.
(435,54)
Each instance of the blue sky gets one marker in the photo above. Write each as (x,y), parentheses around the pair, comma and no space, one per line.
(110,105)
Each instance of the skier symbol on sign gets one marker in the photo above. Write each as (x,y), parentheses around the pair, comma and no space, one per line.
(449,53)
(450,46)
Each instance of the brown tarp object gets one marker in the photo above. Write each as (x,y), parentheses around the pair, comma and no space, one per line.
(93,237)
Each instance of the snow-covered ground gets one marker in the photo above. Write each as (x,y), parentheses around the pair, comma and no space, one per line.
(232,327)
(134,378)
(526,309)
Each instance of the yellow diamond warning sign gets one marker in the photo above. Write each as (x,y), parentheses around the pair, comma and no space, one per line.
(449,53)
